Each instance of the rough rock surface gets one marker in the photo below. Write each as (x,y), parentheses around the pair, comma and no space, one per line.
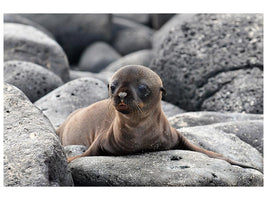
(97,56)
(143,57)
(163,32)
(74,32)
(201,59)
(33,155)
(165,168)
(58,104)
(26,43)
(33,80)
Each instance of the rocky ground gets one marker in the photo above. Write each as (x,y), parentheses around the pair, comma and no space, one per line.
(211,66)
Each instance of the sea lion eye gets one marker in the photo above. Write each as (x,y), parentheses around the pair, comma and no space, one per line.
(112,88)
(143,90)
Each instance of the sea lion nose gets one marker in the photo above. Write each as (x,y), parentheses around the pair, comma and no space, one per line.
(122,95)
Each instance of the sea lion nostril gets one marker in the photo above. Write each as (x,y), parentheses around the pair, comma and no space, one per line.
(122,95)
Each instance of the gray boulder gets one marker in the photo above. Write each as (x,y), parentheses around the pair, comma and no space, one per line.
(15,18)
(165,168)
(131,40)
(33,80)
(143,57)
(33,155)
(158,20)
(74,32)
(224,50)
(26,43)
(97,56)
(175,21)
(129,36)
(58,104)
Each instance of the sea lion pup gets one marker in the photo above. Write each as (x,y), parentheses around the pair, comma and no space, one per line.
(130,121)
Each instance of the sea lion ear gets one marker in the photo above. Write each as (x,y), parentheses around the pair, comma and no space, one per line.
(108,85)
(163,91)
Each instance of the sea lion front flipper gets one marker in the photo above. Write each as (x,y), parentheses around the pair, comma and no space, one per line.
(93,150)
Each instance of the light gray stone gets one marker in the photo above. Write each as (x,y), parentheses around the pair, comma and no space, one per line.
(33,155)
(213,62)
(97,56)
(170,109)
(58,104)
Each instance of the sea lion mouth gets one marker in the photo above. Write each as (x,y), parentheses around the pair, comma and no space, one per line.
(123,108)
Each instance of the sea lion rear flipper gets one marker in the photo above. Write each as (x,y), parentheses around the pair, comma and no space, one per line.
(184,144)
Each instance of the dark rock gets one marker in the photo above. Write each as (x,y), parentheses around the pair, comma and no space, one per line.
(97,56)
(248,127)
(143,57)
(58,104)
(139,18)
(15,18)
(129,36)
(26,43)
(165,168)
(33,155)
(104,76)
(170,109)
(33,80)
(158,20)
(206,46)
(74,32)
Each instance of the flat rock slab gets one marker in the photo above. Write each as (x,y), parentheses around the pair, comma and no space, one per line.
(165,168)
(248,127)
(33,155)
(202,118)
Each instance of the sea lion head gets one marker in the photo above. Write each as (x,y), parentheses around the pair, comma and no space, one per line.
(135,88)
